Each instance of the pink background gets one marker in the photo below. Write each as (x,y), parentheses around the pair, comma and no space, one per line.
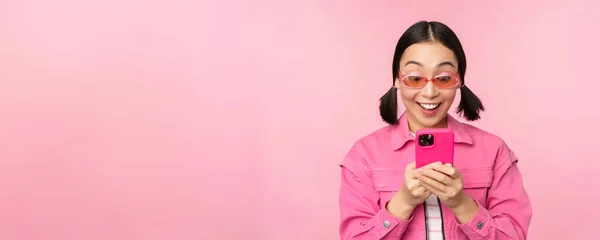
(227,120)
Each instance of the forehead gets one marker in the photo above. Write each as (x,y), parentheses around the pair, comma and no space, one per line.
(429,54)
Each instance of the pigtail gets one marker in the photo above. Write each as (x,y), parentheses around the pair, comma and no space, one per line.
(388,106)
(469,105)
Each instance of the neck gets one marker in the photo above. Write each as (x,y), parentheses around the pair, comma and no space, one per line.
(414,125)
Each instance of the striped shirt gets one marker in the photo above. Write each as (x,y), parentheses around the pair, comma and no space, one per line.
(433,218)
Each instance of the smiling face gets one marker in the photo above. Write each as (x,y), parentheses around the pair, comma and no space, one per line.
(427,102)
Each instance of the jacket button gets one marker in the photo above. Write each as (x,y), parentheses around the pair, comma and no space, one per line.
(479,225)
(386,224)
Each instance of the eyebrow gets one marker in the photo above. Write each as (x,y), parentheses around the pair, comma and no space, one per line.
(439,65)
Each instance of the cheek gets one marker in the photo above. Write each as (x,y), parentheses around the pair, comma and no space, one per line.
(408,94)
(448,96)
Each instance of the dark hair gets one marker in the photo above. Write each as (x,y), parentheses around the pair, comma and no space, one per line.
(424,31)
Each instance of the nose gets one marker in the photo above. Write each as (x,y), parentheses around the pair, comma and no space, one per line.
(429,91)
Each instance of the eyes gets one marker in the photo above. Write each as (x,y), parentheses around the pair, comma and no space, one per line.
(446,80)
(438,78)
(414,78)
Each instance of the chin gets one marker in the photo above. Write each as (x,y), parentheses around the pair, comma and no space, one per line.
(430,121)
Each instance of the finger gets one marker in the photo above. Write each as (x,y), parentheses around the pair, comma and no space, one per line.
(420,192)
(425,180)
(411,166)
(431,189)
(410,170)
(431,165)
(447,169)
(413,184)
(436,175)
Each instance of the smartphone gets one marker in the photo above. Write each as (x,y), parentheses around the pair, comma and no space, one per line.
(434,145)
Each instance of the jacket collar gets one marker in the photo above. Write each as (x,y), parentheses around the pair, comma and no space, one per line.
(401,134)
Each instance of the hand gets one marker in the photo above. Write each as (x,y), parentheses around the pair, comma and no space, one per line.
(409,195)
(446,182)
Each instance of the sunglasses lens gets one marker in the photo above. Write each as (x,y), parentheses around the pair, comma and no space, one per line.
(414,81)
(445,81)
(448,81)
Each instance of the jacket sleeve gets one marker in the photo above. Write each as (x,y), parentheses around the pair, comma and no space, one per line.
(361,215)
(509,209)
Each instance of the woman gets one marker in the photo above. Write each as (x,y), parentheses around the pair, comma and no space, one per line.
(383,195)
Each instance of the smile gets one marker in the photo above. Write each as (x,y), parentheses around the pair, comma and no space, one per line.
(429,106)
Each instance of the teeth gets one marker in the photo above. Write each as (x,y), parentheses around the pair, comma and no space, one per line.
(429,106)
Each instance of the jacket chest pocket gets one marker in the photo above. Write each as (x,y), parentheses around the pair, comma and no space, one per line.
(387,183)
(476,183)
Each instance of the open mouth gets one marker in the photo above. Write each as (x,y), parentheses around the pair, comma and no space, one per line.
(429,106)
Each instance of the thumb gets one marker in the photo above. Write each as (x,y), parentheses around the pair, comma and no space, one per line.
(410,166)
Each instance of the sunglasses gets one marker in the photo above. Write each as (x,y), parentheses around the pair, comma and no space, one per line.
(445,80)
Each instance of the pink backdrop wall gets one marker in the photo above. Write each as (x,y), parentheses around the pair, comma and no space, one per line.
(227,120)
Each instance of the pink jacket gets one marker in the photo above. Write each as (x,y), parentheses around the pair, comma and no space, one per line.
(372,172)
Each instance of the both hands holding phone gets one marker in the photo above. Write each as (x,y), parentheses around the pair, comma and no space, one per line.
(433,177)
(445,181)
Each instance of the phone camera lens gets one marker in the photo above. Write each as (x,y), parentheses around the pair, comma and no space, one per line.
(426,140)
